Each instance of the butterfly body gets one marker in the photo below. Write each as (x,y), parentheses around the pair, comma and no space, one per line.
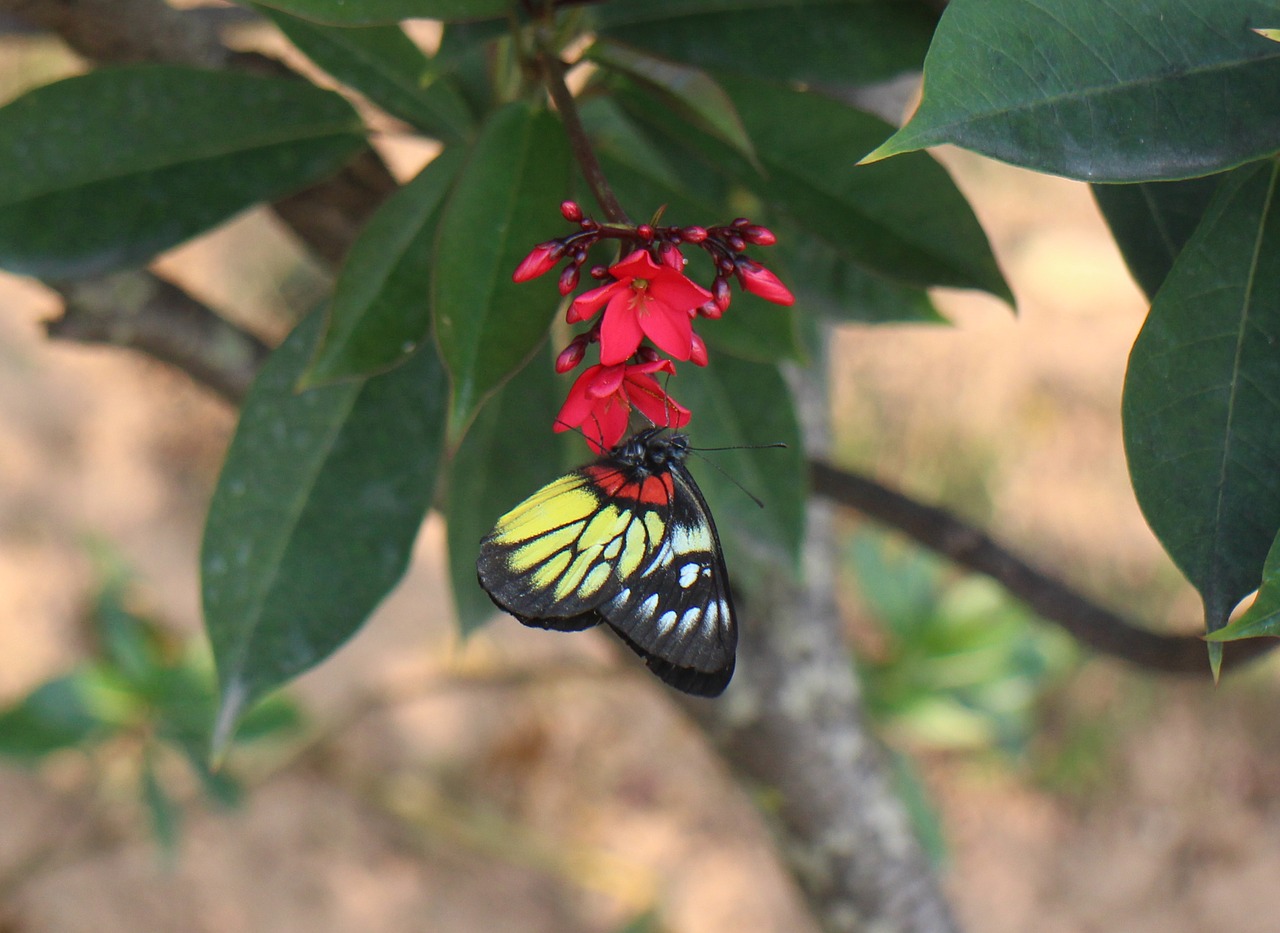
(629,541)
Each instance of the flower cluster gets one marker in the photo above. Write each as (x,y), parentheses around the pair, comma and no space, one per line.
(644,304)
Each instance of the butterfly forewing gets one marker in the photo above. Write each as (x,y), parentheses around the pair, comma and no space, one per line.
(627,540)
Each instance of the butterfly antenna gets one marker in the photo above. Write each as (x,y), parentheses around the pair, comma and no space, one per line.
(745,491)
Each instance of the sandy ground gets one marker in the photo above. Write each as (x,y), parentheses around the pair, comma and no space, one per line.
(503,785)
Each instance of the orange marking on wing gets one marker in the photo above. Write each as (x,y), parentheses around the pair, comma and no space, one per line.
(652,490)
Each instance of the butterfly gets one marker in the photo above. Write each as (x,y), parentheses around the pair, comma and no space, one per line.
(627,540)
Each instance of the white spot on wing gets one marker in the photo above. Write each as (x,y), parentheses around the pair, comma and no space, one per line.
(689,621)
(650,605)
(688,575)
(665,622)
(686,538)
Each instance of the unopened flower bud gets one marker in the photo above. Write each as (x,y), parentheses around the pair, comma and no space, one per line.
(721,294)
(644,232)
(711,311)
(693,234)
(671,257)
(760,236)
(739,222)
(735,242)
(571,355)
(542,259)
(599,272)
(698,352)
(758,280)
(570,211)
(647,354)
(568,279)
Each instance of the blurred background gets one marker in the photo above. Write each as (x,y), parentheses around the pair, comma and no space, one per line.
(519,781)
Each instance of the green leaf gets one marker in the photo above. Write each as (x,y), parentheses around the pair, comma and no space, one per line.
(690,91)
(1202,396)
(505,202)
(1263,617)
(380,313)
(508,452)
(58,714)
(314,515)
(904,220)
(385,65)
(106,169)
(1101,91)
(827,284)
(831,41)
(164,815)
(382,12)
(737,403)
(1151,222)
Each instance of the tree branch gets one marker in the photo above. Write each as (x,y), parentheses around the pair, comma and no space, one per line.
(143,312)
(1051,599)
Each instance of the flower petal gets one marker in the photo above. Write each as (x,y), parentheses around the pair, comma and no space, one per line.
(606,381)
(637,264)
(654,403)
(676,291)
(620,333)
(588,303)
(577,407)
(670,329)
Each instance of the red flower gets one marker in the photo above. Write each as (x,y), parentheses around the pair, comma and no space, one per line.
(601,400)
(644,300)
(758,280)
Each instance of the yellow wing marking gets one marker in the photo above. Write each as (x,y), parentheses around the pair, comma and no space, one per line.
(634,550)
(603,528)
(539,549)
(657,527)
(541,513)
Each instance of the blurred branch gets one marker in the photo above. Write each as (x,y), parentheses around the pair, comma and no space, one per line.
(143,312)
(793,723)
(1053,600)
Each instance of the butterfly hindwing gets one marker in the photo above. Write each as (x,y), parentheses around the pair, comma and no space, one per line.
(627,540)
(681,620)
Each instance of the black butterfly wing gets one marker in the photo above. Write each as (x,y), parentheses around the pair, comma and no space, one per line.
(678,613)
(556,557)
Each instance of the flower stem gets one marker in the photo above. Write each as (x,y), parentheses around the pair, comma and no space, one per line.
(553,71)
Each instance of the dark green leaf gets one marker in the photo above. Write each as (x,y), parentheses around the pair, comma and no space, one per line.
(1099,91)
(508,452)
(314,516)
(505,202)
(1263,617)
(754,329)
(382,12)
(107,169)
(737,403)
(57,714)
(385,65)
(1153,221)
(687,89)
(831,41)
(1202,396)
(905,221)
(380,313)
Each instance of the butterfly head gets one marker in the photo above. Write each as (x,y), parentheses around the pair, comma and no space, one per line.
(652,451)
